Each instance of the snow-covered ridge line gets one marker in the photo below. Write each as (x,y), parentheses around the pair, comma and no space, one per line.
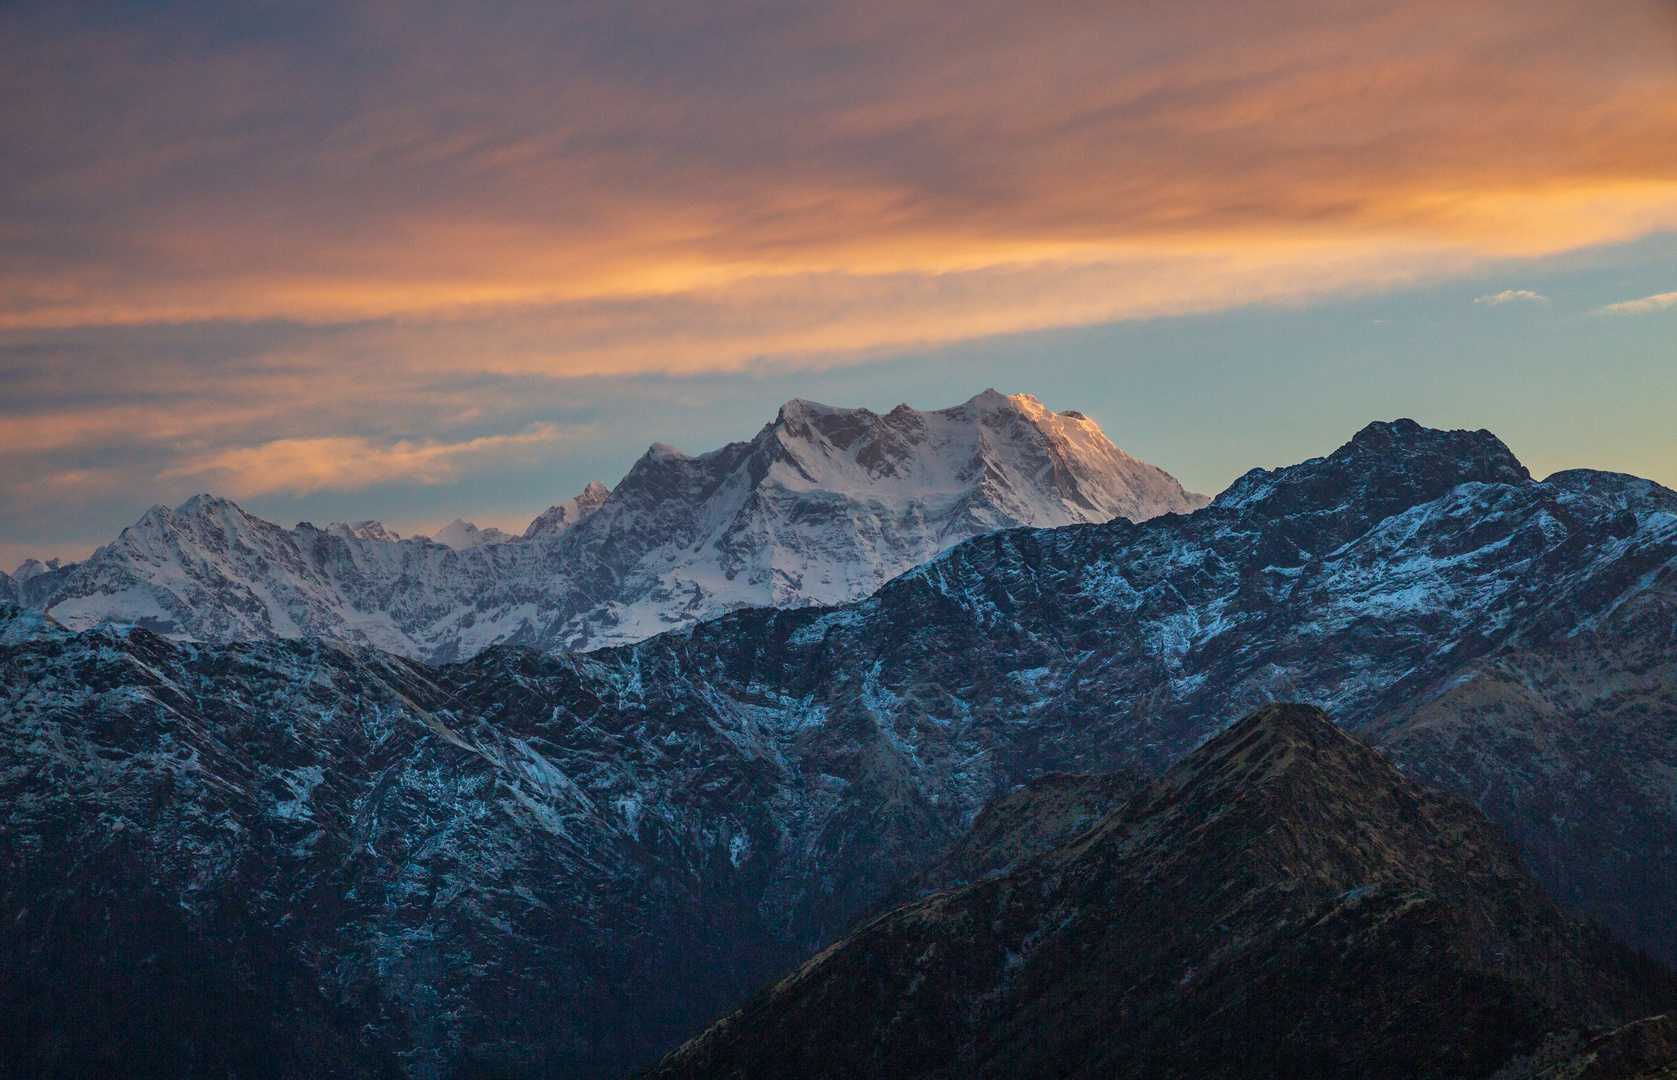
(823,506)
(756,783)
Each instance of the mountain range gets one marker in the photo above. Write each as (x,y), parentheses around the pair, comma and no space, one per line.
(1281,905)
(534,863)
(822,507)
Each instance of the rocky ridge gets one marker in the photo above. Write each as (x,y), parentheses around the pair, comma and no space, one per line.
(556,519)
(1644,1049)
(822,507)
(1281,904)
(1034,817)
(731,797)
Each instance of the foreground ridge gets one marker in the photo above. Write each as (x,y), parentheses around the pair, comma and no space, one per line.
(1282,903)
(607,851)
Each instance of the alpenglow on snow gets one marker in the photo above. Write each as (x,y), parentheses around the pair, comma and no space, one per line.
(823,506)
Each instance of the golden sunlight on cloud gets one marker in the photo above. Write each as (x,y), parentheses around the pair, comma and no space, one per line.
(292,253)
(727,188)
(304,466)
(838,318)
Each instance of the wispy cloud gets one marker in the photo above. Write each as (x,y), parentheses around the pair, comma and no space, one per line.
(1511,296)
(258,252)
(303,466)
(1642,306)
(347,165)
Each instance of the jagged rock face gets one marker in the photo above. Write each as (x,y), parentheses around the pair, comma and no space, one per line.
(556,519)
(769,776)
(1282,903)
(823,506)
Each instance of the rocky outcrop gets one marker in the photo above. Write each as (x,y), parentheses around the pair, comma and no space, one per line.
(556,519)
(1282,903)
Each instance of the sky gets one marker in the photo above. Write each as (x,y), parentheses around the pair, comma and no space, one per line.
(411,262)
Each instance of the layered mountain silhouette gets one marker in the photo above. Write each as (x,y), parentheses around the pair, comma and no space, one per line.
(565,865)
(1282,903)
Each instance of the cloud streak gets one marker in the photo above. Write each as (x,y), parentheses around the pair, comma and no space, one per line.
(374,161)
(262,250)
(1511,296)
(1642,306)
(304,466)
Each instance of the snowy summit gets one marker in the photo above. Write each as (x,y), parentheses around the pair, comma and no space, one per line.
(823,506)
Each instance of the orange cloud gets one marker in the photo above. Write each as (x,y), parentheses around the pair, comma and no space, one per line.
(468,169)
(303,466)
(414,211)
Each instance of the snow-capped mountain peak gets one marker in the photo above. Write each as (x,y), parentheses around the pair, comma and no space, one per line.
(556,519)
(824,505)
(827,504)
(461,535)
(33,568)
(663,452)
(1012,460)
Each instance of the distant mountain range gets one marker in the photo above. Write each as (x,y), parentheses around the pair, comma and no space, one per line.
(565,865)
(822,507)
